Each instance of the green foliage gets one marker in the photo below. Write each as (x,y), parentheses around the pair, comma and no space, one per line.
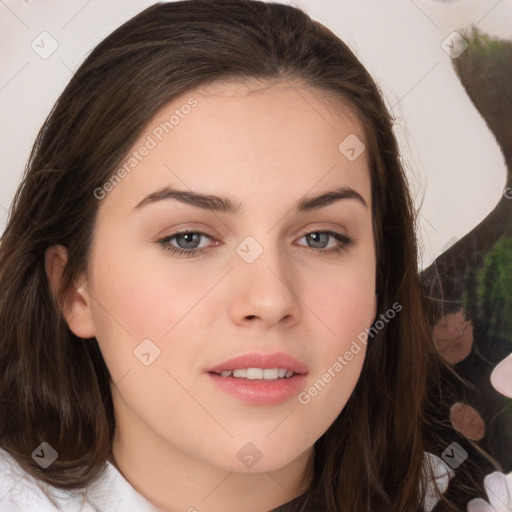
(484,44)
(488,58)
(494,285)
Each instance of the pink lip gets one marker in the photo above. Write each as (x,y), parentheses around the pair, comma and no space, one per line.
(258,360)
(260,392)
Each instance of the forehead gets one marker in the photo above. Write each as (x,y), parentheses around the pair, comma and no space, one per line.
(248,138)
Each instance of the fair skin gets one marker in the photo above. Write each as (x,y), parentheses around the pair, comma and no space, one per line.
(178,435)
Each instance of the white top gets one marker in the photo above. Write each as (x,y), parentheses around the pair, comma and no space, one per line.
(20,492)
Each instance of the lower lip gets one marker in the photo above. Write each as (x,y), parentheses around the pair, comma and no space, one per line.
(260,392)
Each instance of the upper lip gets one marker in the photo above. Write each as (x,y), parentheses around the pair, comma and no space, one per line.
(259,360)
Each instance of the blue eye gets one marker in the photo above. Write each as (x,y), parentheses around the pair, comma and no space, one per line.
(189,242)
(321,240)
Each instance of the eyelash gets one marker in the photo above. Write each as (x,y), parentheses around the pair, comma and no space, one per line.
(346,242)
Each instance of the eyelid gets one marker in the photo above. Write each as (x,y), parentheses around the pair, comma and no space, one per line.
(300,234)
(186,231)
(344,242)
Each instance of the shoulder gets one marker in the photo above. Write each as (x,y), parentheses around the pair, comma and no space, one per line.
(20,492)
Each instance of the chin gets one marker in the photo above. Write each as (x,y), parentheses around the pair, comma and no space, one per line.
(259,457)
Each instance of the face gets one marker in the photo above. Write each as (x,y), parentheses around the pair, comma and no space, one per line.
(177,286)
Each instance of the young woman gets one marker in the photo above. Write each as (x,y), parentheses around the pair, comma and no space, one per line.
(209,284)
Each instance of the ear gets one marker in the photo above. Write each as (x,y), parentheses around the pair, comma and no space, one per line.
(76,308)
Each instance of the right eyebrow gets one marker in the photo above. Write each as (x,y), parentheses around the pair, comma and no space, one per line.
(205,201)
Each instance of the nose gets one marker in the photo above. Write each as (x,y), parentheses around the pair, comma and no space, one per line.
(266,292)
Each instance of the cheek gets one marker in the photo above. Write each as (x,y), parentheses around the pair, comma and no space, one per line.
(135,300)
(145,288)
(345,305)
(343,300)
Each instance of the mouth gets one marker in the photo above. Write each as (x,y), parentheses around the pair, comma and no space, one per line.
(260,379)
(258,373)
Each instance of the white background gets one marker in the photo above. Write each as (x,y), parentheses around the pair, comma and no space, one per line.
(455,168)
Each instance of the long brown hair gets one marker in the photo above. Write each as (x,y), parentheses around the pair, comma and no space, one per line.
(55,387)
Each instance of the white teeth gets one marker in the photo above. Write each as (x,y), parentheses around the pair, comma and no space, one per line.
(258,373)
(271,373)
(254,373)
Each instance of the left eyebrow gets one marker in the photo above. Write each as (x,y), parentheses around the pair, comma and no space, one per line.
(309,203)
(226,205)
